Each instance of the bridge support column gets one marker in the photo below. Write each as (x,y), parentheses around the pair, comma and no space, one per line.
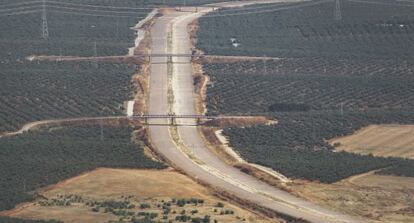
(172,121)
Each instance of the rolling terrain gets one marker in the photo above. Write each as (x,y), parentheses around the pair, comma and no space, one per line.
(188,153)
(110,189)
(320,78)
(326,78)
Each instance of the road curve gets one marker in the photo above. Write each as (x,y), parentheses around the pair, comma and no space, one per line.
(203,164)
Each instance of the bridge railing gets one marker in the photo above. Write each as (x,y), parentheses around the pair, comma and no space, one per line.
(172,118)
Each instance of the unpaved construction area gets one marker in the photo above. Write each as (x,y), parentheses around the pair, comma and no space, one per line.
(379,140)
(380,198)
(99,196)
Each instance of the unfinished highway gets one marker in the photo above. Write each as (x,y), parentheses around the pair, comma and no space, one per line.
(172,90)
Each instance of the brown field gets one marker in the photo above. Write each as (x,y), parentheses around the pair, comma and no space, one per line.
(380,140)
(385,199)
(153,187)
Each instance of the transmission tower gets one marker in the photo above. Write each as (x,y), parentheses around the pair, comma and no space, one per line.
(337,13)
(45,28)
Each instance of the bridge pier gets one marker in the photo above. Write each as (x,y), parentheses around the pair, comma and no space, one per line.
(172,121)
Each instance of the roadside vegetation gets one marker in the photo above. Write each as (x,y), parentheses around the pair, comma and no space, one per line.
(331,79)
(40,158)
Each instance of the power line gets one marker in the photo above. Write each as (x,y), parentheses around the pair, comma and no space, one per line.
(381,3)
(91,14)
(40,6)
(47,4)
(243,11)
(94,10)
(70,13)
(22,13)
(74,4)
(21,3)
(268,6)
(101,6)
(267,10)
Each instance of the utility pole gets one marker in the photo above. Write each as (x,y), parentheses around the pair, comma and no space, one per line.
(313,129)
(117,29)
(337,13)
(95,54)
(95,49)
(60,54)
(45,28)
(264,65)
(102,133)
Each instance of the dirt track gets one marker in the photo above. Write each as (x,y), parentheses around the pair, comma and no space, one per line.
(37,124)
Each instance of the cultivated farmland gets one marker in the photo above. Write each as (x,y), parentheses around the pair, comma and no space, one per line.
(331,78)
(365,31)
(307,103)
(46,90)
(318,84)
(40,158)
(296,146)
(52,90)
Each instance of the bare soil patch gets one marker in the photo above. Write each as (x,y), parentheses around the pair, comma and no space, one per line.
(245,121)
(386,199)
(155,188)
(379,140)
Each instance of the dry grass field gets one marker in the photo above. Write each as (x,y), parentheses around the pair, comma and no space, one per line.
(133,187)
(382,199)
(380,140)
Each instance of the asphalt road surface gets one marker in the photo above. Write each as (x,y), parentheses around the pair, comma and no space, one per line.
(201,163)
